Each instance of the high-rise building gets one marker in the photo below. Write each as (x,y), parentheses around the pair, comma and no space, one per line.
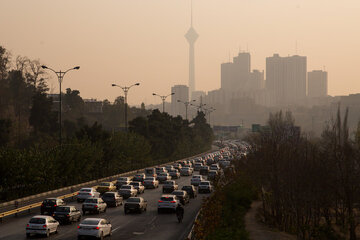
(196,95)
(286,79)
(181,92)
(317,83)
(191,36)
(235,75)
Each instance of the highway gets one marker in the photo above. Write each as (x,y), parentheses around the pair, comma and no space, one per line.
(147,225)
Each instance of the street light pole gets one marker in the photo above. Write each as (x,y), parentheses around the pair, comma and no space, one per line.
(186,107)
(126,90)
(163,98)
(60,75)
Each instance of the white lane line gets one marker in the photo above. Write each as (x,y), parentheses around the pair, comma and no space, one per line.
(115,229)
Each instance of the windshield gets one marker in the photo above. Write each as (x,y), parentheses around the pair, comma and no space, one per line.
(149,179)
(122,179)
(109,195)
(205,183)
(126,187)
(169,183)
(135,184)
(85,190)
(91,200)
(62,209)
(105,184)
(178,193)
(37,220)
(167,199)
(90,222)
(49,201)
(134,200)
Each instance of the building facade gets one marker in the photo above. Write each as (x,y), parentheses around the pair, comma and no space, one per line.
(181,92)
(317,84)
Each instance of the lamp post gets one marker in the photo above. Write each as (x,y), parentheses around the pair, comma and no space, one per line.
(199,107)
(186,107)
(209,110)
(60,75)
(126,90)
(163,98)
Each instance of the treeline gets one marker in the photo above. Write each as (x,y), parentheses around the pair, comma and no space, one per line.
(310,187)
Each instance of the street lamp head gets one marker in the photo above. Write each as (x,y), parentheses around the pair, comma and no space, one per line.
(44,67)
(113,85)
(154,94)
(172,93)
(178,100)
(77,67)
(137,84)
(193,100)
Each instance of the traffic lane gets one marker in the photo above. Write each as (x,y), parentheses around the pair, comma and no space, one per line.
(16,229)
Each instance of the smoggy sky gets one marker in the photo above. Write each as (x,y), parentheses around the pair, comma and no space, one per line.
(128,41)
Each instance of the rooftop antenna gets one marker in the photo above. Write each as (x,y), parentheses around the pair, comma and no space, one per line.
(191,13)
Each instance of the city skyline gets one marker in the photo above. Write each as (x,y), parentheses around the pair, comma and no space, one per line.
(124,58)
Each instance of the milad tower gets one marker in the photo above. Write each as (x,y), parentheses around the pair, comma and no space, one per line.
(191,36)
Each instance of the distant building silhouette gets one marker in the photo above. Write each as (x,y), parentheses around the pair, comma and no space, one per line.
(286,79)
(196,95)
(182,94)
(191,36)
(317,84)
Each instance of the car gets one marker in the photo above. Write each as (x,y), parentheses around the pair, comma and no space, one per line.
(106,187)
(135,204)
(174,174)
(190,189)
(49,205)
(186,171)
(196,179)
(67,214)
(112,199)
(162,177)
(197,166)
(212,175)
(224,163)
(122,181)
(160,170)
(139,177)
(177,166)
(215,166)
(205,187)
(150,172)
(169,168)
(168,202)
(138,186)
(94,205)
(182,196)
(85,193)
(169,186)
(40,224)
(204,170)
(94,227)
(127,191)
(151,182)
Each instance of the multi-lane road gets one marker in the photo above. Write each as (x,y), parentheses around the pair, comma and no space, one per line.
(147,225)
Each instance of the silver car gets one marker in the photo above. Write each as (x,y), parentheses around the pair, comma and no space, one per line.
(43,225)
(162,177)
(151,182)
(122,181)
(205,187)
(167,202)
(196,179)
(86,193)
(94,205)
(95,227)
(186,171)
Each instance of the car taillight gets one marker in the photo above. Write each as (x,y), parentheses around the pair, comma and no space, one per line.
(79,227)
(160,201)
(55,205)
(42,204)
(27,225)
(152,182)
(68,215)
(45,226)
(173,201)
(89,193)
(96,206)
(97,228)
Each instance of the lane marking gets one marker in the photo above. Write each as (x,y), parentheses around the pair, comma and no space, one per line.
(115,229)
(138,233)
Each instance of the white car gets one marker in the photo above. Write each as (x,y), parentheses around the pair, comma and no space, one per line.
(186,171)
(196,179)
(127,191)
(95,227)
(197,166)
(94,205)
(86,193)
(41,224)
(214,166)
(205,186)
(167,202)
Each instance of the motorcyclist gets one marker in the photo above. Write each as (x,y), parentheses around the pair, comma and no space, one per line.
(179,212)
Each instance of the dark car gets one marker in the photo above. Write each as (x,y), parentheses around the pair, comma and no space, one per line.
(49,205)
(190,190)
(182,195)
(112,199)
(135,204)
(204,170)
(139,177)
(67,214)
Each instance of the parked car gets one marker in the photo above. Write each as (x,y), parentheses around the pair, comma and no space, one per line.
(186,171)
(196,179)
(197,166)
(167,202)
(191,190)
(169,186)
(42,225)
(94,205)
(67,214)
(127,191)
(135,204)
(212,175)
(138,186)
(174,174)
(94,227)
(151,182)
(49,205)
(122,181)
(106,187)
(86,193)
(205,187)
(112,199)
(160,170)
(139,177)
(162,177)
(204,170)
(150,172)
(182,196)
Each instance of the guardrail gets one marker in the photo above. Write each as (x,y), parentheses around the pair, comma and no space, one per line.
(72,194)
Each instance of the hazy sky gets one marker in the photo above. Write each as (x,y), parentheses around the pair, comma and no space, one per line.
(128,41)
